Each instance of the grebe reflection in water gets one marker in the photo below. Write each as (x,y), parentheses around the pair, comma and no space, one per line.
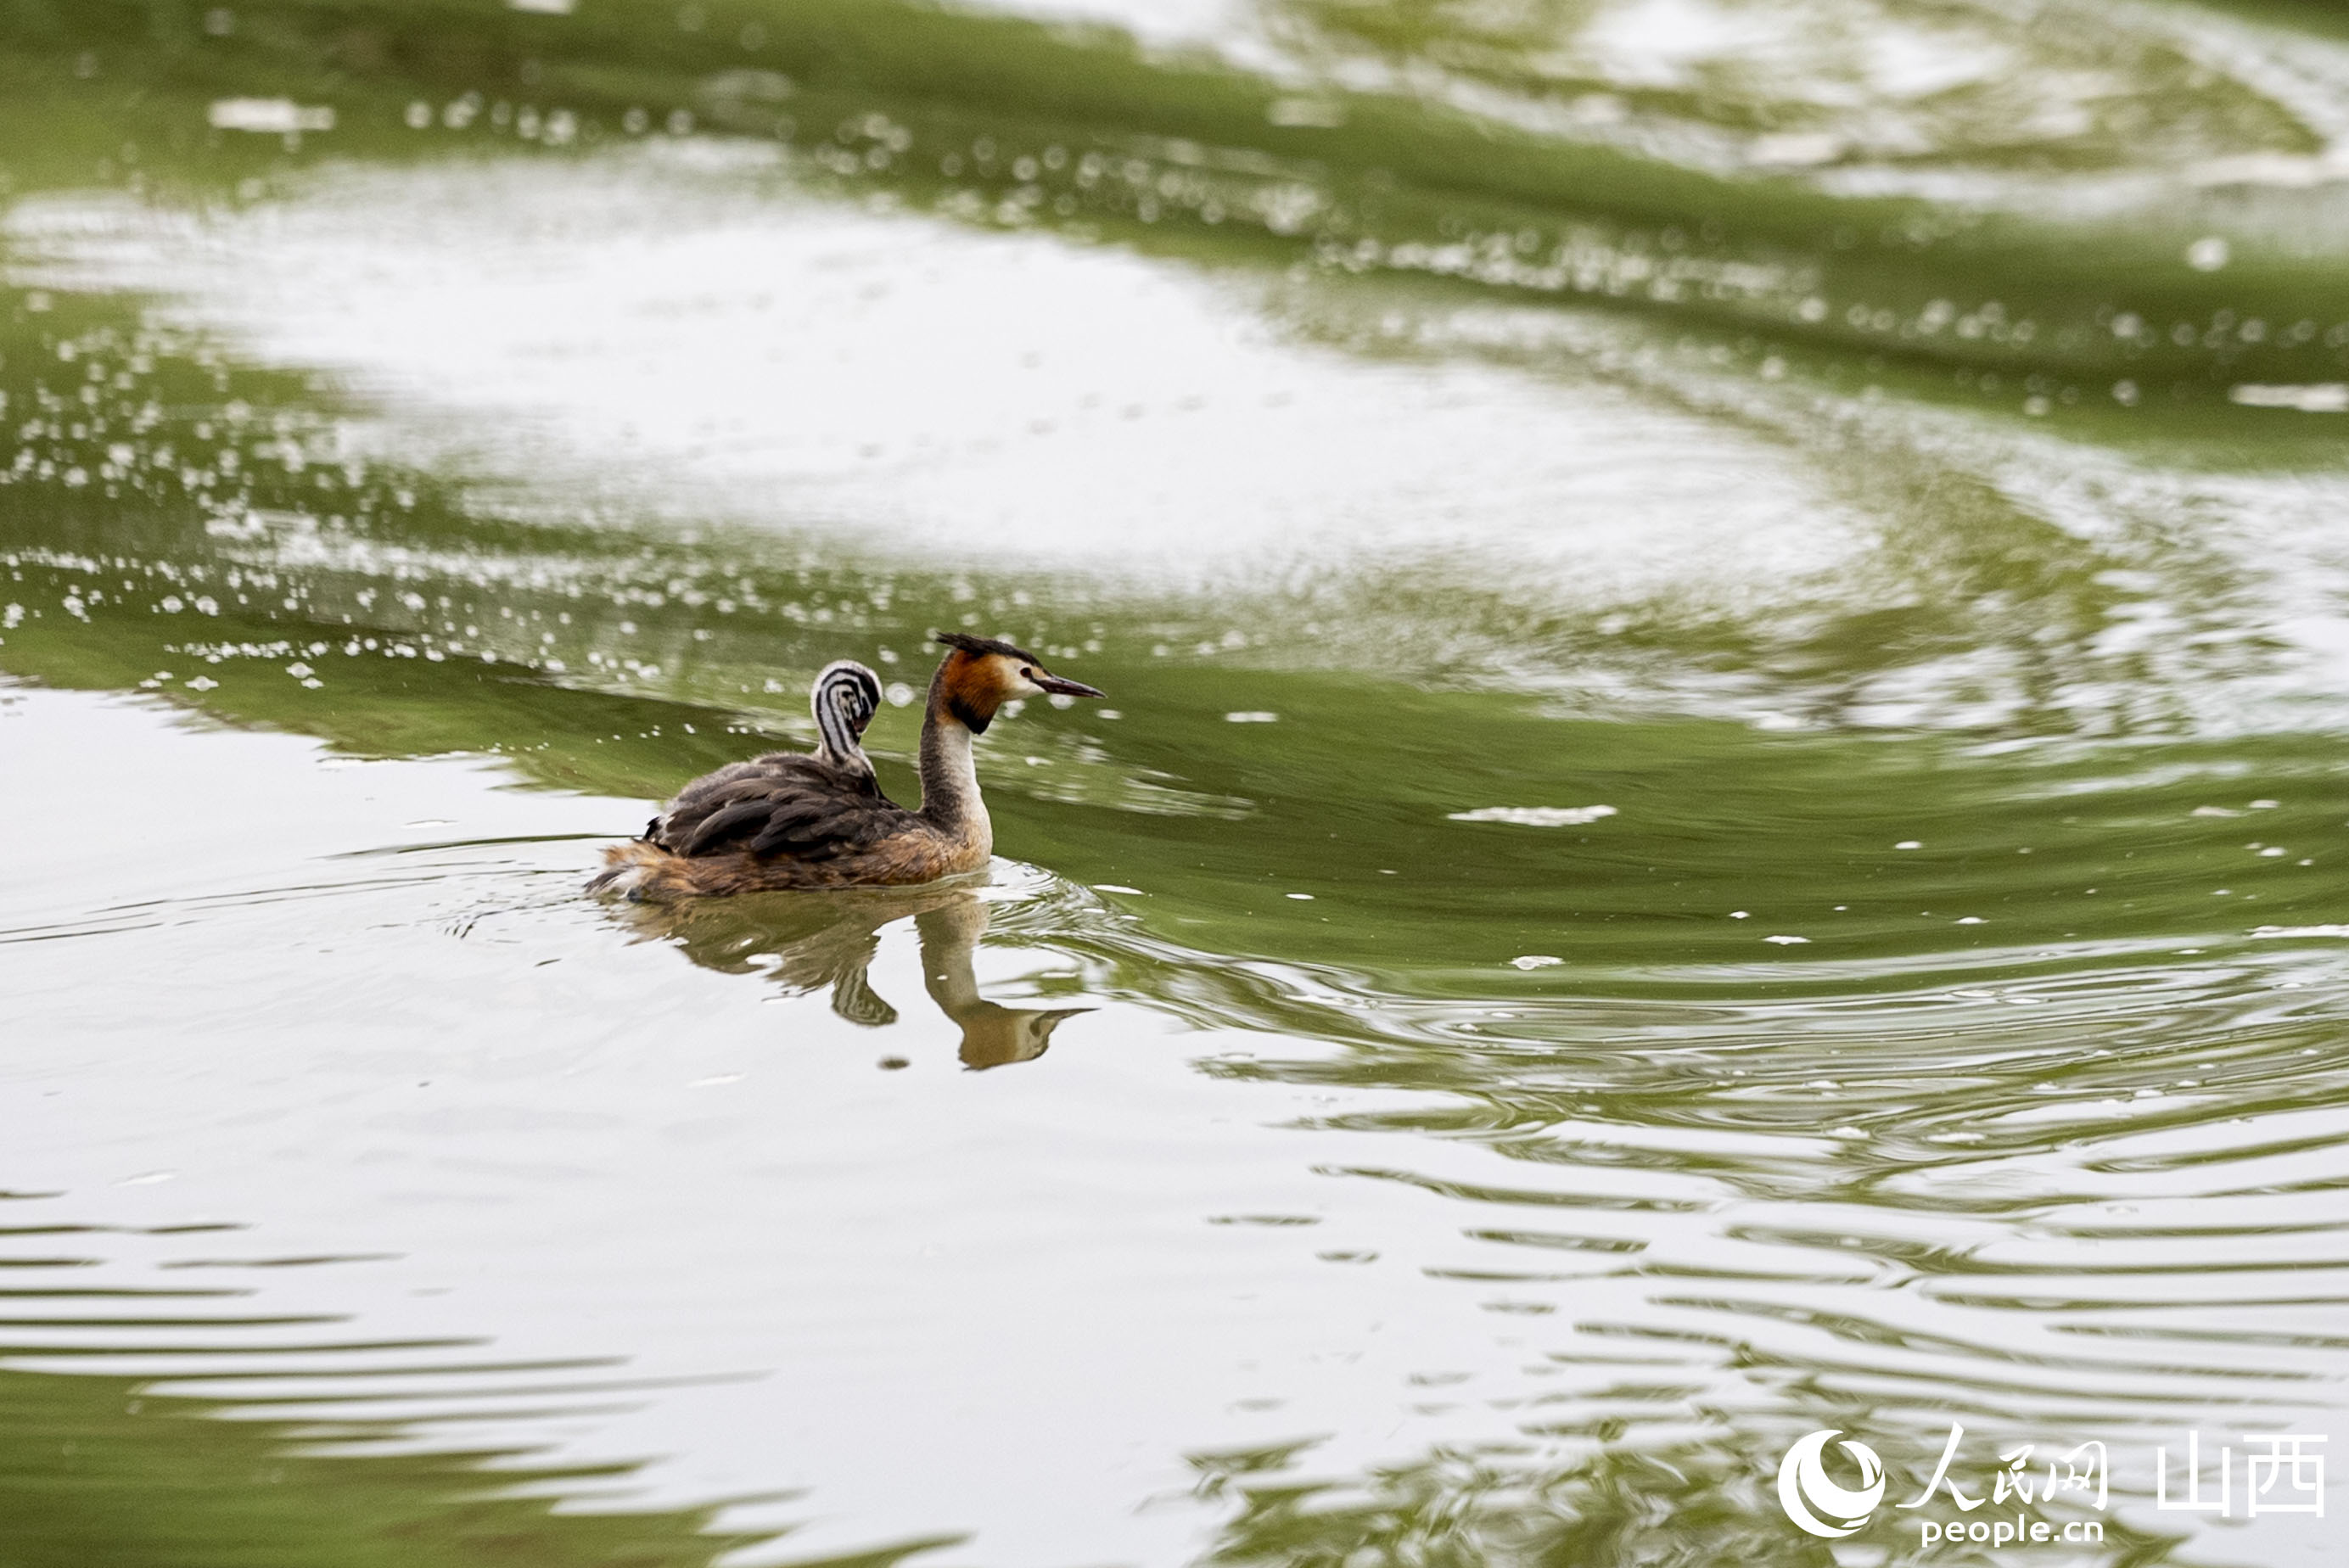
(810,942)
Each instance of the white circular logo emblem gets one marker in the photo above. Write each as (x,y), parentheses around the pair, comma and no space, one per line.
(1812,1499)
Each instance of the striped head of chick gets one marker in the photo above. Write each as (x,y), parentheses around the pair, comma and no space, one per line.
(979,674)
(845,698)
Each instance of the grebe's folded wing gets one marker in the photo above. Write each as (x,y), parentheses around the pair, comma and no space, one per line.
(797,807)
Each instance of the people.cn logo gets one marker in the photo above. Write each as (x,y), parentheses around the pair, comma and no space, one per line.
(1811,1497)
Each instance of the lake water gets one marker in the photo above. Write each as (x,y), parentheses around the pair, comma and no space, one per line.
(1720,814)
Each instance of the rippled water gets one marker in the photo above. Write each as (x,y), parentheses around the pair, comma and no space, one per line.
(1729,641)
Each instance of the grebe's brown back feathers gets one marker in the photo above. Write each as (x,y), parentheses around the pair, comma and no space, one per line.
(779,804)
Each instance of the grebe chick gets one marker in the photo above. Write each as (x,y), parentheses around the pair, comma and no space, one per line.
(788,821)
(845,697)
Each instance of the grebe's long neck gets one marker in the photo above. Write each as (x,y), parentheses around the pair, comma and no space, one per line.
(951,800)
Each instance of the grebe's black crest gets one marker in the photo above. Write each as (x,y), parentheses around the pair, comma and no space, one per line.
(982,645)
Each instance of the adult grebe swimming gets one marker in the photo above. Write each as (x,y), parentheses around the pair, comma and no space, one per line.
(793,820)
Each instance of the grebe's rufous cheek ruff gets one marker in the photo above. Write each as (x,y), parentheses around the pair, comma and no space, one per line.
(789,819)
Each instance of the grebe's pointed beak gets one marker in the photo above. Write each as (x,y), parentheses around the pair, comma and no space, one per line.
(1059,686)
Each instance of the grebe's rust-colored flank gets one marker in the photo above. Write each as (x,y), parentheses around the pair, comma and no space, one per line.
(793,820)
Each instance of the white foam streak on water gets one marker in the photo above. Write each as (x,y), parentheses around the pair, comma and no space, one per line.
(1179,22)
(1891,99)
(2223,596)
(668,325)
(1888,80)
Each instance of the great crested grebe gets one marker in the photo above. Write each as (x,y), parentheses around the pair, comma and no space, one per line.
(793,821)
